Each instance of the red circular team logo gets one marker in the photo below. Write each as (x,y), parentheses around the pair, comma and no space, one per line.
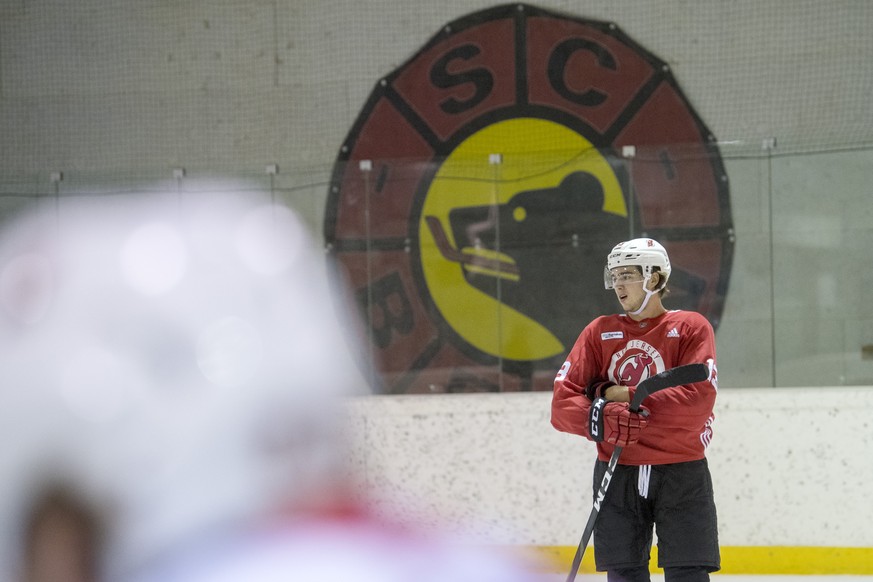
(476,197)
(637,361)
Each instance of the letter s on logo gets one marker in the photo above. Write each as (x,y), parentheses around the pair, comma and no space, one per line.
(562,373)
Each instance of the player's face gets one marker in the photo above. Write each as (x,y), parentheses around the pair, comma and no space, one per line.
(627,282)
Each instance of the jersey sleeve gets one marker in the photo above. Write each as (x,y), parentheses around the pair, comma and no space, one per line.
(690,406)
(570,405)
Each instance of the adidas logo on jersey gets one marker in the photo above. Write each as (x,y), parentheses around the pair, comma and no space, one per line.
(673,333)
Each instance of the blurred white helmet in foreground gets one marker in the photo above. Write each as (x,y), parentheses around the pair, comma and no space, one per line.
(175,364)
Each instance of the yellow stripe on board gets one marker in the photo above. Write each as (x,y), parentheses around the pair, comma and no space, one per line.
(784,560)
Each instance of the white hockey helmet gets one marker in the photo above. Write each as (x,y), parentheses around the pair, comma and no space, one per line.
(178,362)
(646,253)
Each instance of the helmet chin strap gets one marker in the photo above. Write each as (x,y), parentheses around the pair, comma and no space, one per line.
(648,296)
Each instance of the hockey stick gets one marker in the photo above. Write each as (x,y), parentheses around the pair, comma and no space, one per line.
(452,254)
(677,376)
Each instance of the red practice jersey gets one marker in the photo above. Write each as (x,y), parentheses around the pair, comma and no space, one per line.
(625,352)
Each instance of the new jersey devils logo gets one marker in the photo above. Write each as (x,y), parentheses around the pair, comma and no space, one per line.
(634,363)
(635,369)
(475,199)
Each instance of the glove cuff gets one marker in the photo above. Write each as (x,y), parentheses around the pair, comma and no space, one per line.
(597,388)
(595,420)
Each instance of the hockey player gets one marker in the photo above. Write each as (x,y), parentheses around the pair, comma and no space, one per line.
(662,478)
(171,409)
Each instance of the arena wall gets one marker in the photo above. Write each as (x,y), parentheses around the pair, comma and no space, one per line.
(791,468)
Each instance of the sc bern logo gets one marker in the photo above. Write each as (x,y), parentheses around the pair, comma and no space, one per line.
(478,193)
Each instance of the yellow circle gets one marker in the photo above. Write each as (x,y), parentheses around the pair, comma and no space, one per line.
(534,154)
